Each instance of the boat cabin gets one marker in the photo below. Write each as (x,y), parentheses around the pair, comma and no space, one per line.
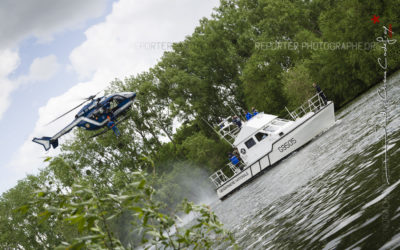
(265,139)
(257,135)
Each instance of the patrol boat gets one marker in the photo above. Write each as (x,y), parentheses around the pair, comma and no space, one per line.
(265,139)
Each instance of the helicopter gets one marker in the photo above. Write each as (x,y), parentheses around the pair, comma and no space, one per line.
(93,116)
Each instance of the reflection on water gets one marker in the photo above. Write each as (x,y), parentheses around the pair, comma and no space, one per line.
(332,194)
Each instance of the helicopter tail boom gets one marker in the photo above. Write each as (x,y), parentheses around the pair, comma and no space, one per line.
(46,142)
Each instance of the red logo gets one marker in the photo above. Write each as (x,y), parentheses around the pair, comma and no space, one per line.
(375,19)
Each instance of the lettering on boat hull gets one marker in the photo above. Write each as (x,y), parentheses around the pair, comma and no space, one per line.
(235,182)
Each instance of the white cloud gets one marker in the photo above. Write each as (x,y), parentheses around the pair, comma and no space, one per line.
(9,61)
(135,35)
(41,69)
(119,47)
(42,18)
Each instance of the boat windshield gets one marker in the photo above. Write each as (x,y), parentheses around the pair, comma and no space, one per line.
(279,122)
(261,136)
(271,128)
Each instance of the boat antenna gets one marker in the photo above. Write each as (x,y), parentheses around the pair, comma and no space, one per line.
(233,111)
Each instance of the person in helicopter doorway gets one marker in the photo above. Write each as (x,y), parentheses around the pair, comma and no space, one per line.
(235,161)
(111,124)
(247,115)
(320,93)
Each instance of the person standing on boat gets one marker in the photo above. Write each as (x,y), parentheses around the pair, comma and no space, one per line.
(221,123)
(320,93)
(248,115)
(236,153)
(234,160)
(254,110)
(237,121)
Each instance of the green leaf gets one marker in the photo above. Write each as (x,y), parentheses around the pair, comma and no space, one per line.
(141,184)
(153,233)
(90,237)
(137,209)
(111,217)
(22,209)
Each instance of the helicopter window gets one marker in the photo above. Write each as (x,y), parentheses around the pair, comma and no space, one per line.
(113,104)
(261,136)
(119,99)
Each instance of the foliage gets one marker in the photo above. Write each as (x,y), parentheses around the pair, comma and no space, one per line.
(297,86)
(92,214)
(201,150)
(20,226)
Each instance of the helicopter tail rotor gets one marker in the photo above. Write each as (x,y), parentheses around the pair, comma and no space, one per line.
(46,142)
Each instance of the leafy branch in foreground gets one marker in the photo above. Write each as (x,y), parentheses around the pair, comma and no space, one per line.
(93,213)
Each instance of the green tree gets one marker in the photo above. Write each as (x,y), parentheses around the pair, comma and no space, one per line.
(92,212)
(297,86)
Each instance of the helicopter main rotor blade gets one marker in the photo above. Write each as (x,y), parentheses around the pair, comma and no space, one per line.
(67,112)
(90,98)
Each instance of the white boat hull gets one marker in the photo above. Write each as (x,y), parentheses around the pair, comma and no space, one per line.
(303,131)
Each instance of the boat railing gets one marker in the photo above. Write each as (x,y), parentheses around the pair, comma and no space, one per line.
(224,174)
(228,129)
(313,104)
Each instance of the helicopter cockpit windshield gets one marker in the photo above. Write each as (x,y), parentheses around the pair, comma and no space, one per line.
(115,101)
(107,104)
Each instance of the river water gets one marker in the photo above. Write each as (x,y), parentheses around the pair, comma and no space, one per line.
(332,193)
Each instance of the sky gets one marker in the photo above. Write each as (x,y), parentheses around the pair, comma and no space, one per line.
(55,53)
